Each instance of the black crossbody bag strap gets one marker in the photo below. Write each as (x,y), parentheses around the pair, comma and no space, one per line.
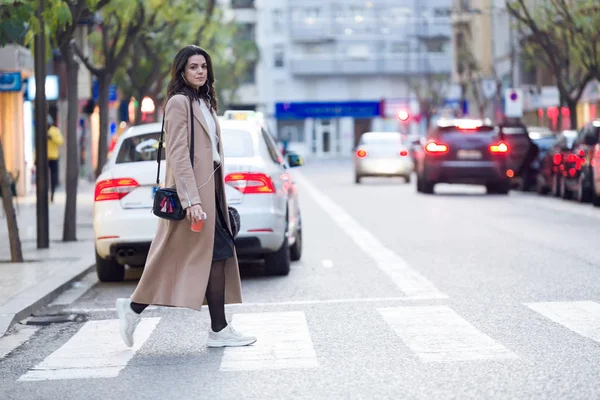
(162,138)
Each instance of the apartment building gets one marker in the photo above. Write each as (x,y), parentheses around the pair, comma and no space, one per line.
(330,70)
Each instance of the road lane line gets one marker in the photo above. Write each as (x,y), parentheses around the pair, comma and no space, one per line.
(411,282)
(272,304)
(95,351)
(327,263)
(439,334)
(581,317)
(283,342)
(12,340)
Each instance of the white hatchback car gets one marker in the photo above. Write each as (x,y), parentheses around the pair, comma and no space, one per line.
(258,185)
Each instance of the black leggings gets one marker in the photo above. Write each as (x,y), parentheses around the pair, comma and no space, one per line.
(215,296)
(53,168)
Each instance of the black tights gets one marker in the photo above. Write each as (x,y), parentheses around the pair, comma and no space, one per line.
(215,296)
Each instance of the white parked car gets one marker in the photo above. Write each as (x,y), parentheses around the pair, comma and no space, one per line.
(258,185)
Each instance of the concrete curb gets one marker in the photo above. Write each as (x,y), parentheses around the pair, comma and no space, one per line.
(37,296)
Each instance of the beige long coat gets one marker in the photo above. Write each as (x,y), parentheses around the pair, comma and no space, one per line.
(178,265)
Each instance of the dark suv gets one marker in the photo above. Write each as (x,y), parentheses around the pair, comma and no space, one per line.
(463,151)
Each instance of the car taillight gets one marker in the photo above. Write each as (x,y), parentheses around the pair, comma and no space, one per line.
(572,158)
(403,153)
(557,158)
(499,148)
(251,183)
(361,153)
(114,189)
(433,147)
(581,153)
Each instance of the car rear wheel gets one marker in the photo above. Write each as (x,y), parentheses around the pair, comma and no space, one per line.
(498,188)
(595,199)
(407,178)
(278,263)
(425,186)
(109,270)
(357,178)
(584,195)
(296,249)
(555,190)
(565,193)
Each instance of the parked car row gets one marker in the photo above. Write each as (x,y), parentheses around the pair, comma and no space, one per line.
(257,183)
(570,168)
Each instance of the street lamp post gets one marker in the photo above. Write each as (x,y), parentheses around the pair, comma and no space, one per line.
(41,135)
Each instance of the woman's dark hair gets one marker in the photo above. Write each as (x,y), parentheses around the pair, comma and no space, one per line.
(178,85)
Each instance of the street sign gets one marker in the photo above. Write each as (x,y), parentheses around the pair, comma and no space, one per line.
(10,81)
(514,103)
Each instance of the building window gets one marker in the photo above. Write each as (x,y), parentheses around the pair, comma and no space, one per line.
(242,4)
(246,32)
(278,56)
(399,47)
(277,20)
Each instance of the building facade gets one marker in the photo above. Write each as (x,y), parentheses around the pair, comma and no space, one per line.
(330,70)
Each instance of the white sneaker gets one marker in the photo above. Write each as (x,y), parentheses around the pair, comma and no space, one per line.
(129,320)
(228,337)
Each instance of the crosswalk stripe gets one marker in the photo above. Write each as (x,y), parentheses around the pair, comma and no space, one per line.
(283,342)
(411,282)
(95,351)
(439,334)
(582,317)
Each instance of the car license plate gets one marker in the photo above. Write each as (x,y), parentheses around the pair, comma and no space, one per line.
(469,154)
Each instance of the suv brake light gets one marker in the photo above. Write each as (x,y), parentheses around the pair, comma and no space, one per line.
(114,189)
(499,148)
(251,183)
(433,147)
(557,158)
(361,153)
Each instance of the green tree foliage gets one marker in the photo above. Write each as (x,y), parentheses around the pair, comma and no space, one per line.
(147,71)
(563,35)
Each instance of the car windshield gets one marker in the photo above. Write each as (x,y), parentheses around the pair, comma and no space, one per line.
(545,143)
(237,143)
(139,148)
(382,139)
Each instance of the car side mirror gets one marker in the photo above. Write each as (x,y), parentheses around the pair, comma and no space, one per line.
(294,160)
(590,140)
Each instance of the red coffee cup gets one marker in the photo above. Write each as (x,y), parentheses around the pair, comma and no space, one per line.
(197,226)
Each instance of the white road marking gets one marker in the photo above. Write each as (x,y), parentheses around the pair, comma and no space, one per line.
(582,317)
(411,282)
(283,341)
(439,334)
(12,340)
(327,263)
(95,351)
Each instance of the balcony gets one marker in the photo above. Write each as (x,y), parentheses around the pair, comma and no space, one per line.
(382,64)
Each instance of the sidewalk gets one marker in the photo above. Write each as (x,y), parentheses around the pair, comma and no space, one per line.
(26,287)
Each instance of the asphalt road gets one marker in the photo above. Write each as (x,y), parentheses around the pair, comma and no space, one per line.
(398,295)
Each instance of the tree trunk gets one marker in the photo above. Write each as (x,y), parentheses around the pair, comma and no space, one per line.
(16,253)
(41,137)
(103,85)
(70,218)
(573,111)
(138,110)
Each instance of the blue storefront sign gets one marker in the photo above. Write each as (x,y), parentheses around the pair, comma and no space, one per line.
(355,109)
(10,81)
(112,91)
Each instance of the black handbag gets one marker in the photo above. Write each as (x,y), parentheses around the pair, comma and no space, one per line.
(167,204)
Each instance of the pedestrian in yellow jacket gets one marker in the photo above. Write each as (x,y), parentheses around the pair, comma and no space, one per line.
(55,140)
